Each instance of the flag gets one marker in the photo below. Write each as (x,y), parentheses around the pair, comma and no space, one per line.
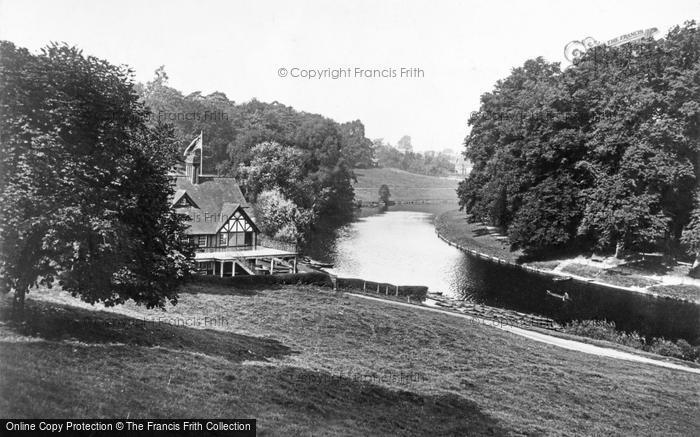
(194,145)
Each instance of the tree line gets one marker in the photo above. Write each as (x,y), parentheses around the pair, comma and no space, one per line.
(403,157)
(84,162)
(601,156)
(284,159)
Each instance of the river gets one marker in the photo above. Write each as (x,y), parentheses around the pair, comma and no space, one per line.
(400,246)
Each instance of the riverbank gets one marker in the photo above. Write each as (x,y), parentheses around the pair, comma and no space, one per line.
(630,276)
(307,361)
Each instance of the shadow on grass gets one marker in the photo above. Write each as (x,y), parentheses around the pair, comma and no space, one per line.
(286,400)
(57,322)
(480,232)
(195,287)
(651,266)
(383,410)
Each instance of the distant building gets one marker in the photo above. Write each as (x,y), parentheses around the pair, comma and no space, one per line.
(228,243)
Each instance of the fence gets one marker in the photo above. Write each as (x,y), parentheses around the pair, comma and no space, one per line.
(315,278)
(417,292)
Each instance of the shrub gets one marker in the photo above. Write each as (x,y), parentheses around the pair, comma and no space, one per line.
(604,330)
(690,353)
(598,329)
(664,347)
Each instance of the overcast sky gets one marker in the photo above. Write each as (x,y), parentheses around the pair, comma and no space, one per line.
(238,48)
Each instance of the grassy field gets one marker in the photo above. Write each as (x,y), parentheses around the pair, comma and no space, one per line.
(403,186)
(307,361)
(453,225)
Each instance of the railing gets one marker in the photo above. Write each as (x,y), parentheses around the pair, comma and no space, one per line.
(263,240)
(266,241)
(223,249)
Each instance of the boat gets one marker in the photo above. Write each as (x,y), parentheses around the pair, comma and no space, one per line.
(562,279)
(564,297)
(320,265)
(317,264)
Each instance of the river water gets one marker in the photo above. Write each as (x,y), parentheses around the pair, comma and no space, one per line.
(400,246)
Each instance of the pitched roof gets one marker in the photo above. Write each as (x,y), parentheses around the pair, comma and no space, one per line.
(214,196)
(228,210)
(182,195)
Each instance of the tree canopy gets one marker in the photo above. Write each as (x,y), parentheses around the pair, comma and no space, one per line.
(602,155)
(83,182)
(428,163)
(269,146)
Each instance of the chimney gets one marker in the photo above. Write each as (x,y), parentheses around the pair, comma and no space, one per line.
(192,169)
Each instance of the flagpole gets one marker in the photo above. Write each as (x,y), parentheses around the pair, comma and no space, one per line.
(201,153)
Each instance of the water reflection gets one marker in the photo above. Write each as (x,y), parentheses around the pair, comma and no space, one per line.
(400,247)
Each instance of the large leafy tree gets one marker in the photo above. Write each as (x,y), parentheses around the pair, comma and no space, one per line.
(280,217)
(617,135)
(357,149)
(83,182)
(277,167)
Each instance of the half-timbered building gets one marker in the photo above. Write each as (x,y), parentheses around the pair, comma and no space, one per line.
(227,241)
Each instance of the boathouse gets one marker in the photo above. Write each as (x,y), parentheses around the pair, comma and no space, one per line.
(227,241)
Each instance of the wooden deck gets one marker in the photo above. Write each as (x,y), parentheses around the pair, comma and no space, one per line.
(229,255)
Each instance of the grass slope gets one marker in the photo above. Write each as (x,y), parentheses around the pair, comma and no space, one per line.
(306,361)
(454,226)
(404,186)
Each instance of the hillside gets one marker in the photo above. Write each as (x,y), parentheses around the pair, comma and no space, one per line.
(307,361)
(404,186)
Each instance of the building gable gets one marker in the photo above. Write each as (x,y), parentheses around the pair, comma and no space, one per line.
(238,221)
(183,200)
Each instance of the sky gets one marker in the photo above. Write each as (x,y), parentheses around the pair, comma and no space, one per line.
(451,51)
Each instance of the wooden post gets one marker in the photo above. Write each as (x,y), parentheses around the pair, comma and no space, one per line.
(397,290)
(222,269)
(272,266)
(294,265)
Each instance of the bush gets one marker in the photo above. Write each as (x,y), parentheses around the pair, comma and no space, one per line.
(604,330)
(664,347)
(598,329)
(690,353)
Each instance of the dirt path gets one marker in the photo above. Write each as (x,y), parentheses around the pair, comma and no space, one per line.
(544,338)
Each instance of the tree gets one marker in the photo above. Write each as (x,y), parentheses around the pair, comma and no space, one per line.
(384,194)
(622,123)
(405,144)
(84,183)
(548,216)
(357,149)
(281,218)
(277,167)
(428,163)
